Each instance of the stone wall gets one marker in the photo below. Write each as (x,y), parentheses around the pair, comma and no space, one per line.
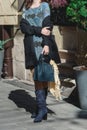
(19,70)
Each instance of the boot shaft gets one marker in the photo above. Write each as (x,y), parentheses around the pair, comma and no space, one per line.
(41,103)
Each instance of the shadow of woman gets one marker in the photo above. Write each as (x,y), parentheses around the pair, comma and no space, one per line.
(23,100)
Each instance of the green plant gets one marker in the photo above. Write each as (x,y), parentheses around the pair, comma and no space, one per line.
(77,12)
(3,42)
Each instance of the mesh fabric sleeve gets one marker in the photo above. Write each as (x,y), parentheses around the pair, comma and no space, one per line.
(46,9)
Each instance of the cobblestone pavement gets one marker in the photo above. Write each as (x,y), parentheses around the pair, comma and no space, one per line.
(17,101)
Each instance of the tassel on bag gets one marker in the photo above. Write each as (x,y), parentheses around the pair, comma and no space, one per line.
(54,87)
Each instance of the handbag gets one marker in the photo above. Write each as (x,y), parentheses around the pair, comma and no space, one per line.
(44,70)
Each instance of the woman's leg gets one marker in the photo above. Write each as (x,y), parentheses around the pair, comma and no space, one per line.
(40,85)
(41,94)
(45,84)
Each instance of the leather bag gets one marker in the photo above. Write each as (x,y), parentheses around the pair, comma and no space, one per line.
(44,70)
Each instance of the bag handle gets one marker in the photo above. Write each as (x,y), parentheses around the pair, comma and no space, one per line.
(44,58)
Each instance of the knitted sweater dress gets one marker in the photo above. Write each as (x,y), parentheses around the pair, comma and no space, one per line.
(35,17)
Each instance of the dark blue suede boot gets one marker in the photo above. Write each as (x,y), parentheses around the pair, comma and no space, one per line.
(34,114)
(41,102)
(46,92)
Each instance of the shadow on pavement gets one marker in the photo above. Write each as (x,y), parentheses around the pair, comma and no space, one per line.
(23,100)
(73,98)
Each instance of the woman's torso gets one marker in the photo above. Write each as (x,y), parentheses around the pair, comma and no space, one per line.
(35,17)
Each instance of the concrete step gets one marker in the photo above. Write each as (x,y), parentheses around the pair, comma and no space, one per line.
(66,67)
(67,56)
(67,63)
(66,70)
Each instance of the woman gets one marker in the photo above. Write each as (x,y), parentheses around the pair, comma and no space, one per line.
(37,27)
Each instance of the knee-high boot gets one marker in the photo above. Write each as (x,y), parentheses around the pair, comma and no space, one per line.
(41,103)
(34,114)
(46,92)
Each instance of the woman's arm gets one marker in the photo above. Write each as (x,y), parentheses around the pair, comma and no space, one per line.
(46,14)
(46,23)
(26,28)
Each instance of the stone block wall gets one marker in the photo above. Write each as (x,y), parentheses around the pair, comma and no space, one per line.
(19,70)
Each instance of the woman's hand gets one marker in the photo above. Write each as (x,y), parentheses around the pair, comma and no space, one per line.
(45,31)
(45,50)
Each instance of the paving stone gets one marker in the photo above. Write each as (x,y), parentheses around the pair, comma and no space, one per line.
(17,99)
